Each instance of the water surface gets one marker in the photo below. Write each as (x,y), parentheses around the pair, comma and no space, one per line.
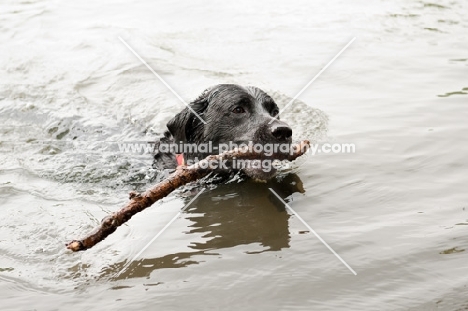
(396,210)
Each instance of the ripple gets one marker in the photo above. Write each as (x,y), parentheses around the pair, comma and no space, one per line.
(463,91)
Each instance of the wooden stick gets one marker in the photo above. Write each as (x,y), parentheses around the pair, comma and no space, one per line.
(183,175)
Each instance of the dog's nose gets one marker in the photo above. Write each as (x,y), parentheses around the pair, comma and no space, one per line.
(281,131)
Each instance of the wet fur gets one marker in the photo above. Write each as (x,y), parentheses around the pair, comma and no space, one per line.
(216,105)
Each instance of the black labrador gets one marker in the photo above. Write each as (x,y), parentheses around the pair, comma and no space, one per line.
(233,113)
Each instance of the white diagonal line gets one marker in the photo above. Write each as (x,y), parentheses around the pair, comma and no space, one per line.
(161,79)
(157,235)
(313,231)
(313,79)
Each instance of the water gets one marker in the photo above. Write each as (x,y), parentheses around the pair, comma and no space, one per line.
(396,210)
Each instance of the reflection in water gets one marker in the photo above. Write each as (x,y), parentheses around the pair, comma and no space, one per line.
(227,216)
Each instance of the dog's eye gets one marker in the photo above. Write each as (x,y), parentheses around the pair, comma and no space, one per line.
(238,110)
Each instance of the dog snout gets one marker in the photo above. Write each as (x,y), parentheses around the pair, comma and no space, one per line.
(281,131)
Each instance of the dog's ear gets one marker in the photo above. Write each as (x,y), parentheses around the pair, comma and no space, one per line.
(177,125)
(186,126)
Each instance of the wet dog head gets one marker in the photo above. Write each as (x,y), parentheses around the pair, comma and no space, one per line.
(232,113)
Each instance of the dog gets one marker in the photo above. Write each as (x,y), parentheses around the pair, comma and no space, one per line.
(232,113)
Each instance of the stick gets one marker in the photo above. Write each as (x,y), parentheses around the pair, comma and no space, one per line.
(183,175)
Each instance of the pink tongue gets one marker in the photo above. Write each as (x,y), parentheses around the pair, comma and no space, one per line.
(180,159)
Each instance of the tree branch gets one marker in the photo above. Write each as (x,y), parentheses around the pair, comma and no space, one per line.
(183,175)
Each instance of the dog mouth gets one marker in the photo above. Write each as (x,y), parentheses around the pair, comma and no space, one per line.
(266,168)
(260,170)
